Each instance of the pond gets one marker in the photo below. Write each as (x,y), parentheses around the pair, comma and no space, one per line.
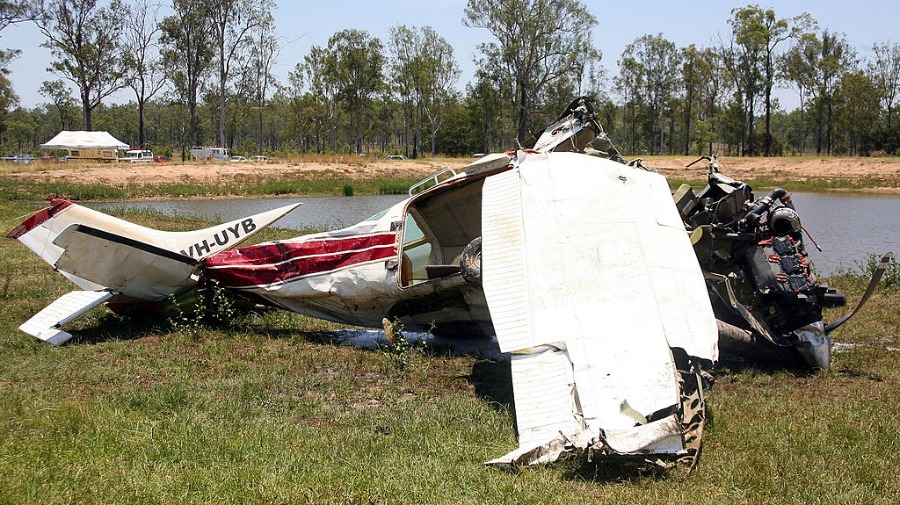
(848,227)
(320,213)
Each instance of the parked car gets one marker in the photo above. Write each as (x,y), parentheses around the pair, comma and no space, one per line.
(162,159)
(23,158)
(259,158)
(396,157)
(137,156)
(238,159)
(49,159)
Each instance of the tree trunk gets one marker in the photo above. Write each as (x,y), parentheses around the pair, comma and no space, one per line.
(86,108)
(662,129)
(222,92)
(141,123)
(523,113)
(768,149)
(260,129)
(687,126)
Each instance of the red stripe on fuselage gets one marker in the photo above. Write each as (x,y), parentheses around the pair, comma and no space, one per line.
(40,217)
(269,264)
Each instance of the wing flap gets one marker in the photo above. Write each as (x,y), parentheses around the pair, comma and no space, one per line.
(45,324)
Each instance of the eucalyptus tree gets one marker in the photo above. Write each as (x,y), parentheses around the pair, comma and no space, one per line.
(700,86)
(355,62)
(743,58)
(312,101)
(59,94)
(485,105)
(760,32)
(628,86)
(798,66)
(11,12)
(834,56)
(424,72)
(233,22)
(144,72)
(264,52)
(693,76)
(858,109)
(440,72)
(17,11)
(538,42)
(8,97)
(85,41)
(404,74)
(650,67)
(884,70)
(187,48)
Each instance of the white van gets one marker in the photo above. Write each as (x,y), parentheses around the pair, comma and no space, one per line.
(137,156)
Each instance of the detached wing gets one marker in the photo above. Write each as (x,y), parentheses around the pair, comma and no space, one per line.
(591,281)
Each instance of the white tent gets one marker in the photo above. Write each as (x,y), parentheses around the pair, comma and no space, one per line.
(84,140)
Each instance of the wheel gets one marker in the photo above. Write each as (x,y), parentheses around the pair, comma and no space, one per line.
(470,263)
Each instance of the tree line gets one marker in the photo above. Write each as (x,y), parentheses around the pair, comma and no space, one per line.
(203,74)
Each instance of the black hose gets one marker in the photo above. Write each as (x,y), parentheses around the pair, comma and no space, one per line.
(751,219)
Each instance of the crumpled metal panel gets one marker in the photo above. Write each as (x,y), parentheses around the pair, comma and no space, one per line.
(544,387)
(584,267)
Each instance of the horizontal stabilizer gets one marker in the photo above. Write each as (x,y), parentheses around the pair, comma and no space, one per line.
(122,264)
(45,324)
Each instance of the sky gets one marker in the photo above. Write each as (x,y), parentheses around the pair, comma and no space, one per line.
(306,23)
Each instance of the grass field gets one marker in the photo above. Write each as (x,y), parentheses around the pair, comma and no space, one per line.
(266,410)
(28,191)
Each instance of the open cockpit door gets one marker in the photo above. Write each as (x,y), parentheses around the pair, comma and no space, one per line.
(592,284)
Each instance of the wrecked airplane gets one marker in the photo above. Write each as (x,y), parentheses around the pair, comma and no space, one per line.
(579,265)
(764,291)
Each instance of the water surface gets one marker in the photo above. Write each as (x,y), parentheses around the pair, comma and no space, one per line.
(848,227)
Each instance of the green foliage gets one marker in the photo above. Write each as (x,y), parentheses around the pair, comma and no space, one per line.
(348,190)
(210,308)
(393,188)
(553,44)
(339,99)
(16,190)
(891,277)
(85,41)
(401,353)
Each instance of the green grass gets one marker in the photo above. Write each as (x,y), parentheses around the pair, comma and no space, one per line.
(14,190)
(268,411)
(808,186)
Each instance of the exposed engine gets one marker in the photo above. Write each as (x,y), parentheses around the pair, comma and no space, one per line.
(752,251)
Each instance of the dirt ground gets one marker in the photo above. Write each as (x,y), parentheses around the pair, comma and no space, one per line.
(876,173)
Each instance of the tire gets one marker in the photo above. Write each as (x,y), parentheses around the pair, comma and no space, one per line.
(470,263)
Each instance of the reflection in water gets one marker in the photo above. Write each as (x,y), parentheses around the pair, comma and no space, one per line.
(321,213)
(848,227)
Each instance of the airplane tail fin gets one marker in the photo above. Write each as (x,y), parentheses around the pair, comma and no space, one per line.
(104,255)
(40,230)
